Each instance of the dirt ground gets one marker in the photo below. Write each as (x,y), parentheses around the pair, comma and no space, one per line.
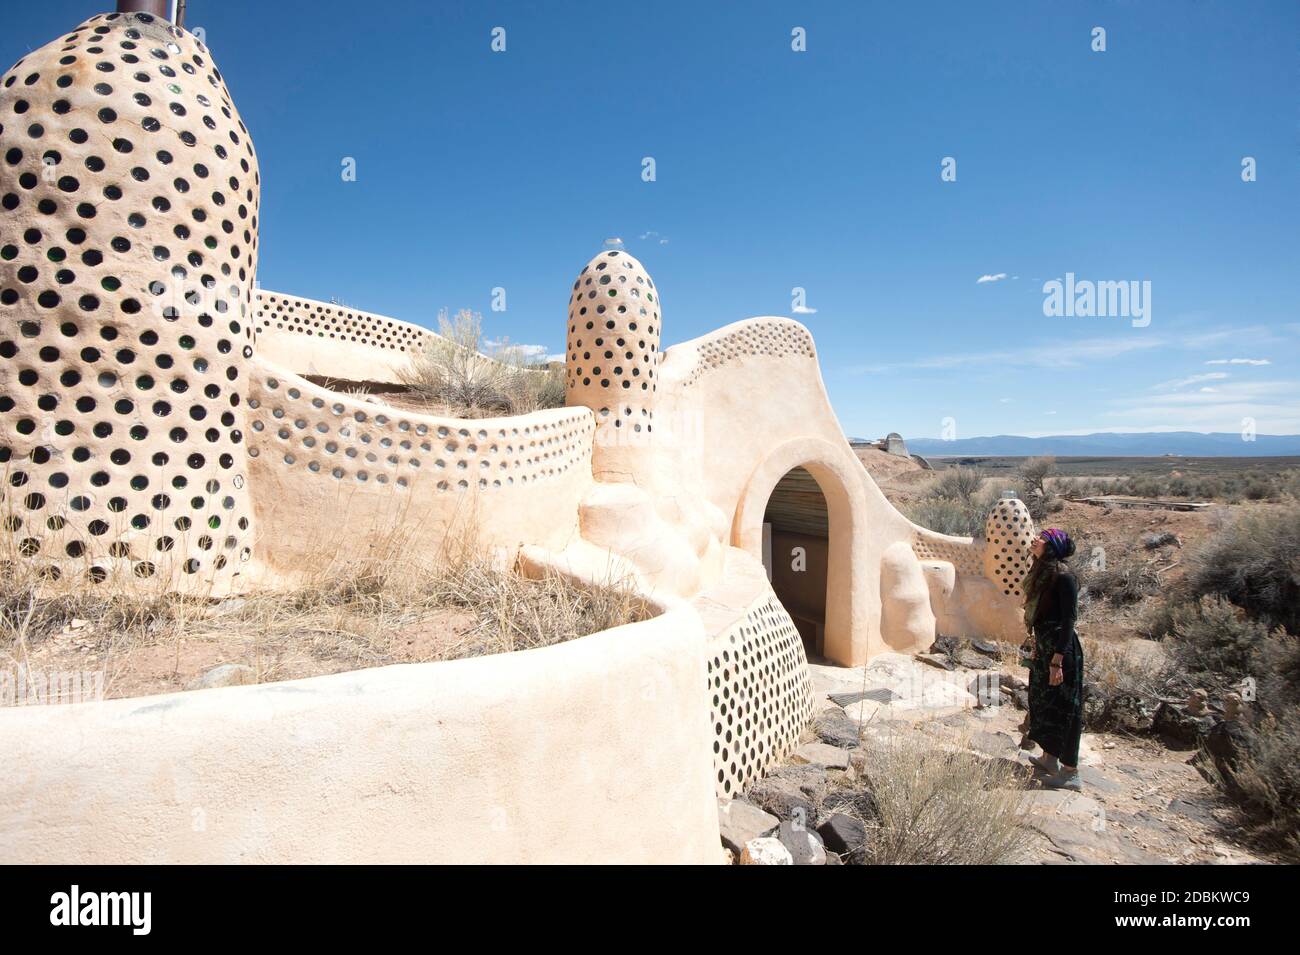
(140,667)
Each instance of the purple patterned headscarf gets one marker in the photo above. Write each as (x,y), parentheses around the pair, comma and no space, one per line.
(1058,542)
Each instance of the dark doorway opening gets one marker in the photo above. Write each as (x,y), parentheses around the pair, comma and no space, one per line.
(796,550)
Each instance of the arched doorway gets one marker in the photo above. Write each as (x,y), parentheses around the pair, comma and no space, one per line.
(852,604)
(796,553)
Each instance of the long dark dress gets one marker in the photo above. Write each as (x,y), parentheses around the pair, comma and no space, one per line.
(1056,712)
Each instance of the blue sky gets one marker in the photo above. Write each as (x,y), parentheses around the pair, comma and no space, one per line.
(821,169)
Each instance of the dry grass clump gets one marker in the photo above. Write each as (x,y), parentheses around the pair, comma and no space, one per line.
(354,615)
(1120,685)
(458,374)
(1264,785)
(925,805)
(1125,580)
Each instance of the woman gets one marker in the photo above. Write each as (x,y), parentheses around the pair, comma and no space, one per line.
(1056,663)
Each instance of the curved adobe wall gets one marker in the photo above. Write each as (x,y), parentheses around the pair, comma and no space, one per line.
(335,478)
(129,189)
(332,341)
(538,756)
(760,692)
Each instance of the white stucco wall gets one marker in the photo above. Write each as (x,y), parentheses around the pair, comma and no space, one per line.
(597,750)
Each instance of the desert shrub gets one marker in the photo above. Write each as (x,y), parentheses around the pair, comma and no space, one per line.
(924,805)
(1213,641)
(469,378)
(1253,562)
(1034,473)
(1277,671)
(1119,685)
(1265,784)
(947,516)
(1123,581)
(546,388)
(958,484)
(1288,484)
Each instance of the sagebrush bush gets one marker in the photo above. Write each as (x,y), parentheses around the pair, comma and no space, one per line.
(1265,783)
(924,805)
(947,516)
(1123,581)
(465,377)
(1254,562)
(1119,683)
(1034,473)
(1213,641)
(958,484)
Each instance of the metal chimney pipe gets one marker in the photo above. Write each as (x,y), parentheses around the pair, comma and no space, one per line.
(159,8)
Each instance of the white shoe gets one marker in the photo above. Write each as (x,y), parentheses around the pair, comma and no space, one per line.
(1065,779)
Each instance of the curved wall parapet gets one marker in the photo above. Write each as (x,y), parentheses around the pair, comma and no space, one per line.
(333,475)
(326,340)
(537,756)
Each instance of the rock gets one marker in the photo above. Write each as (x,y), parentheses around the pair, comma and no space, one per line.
(1232,706)
(740,822)
(987,648)
(1021,699)
(728,857)
(1178,727)
(1012,682)
(944,645)
(1197,703)
(994,744)
(1160,539)
(834,726)
(821,754)
(936,660)
(1062,802)
(791,792)
(1092,779)
(968,658)
(842,834)
(227,674)
(765,851)
(862,713)
(1090,844)
(804,845)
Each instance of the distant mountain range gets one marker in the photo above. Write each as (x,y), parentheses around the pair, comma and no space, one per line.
(1190,444)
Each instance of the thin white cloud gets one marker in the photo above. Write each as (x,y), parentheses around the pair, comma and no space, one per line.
(990,278)
(1177,383)
(1274,406)
(1239,361)
(1036,356)
(803,310)
(614,242)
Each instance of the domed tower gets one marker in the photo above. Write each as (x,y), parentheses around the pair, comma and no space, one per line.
(129,202)
(613,349)
(1008,536)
